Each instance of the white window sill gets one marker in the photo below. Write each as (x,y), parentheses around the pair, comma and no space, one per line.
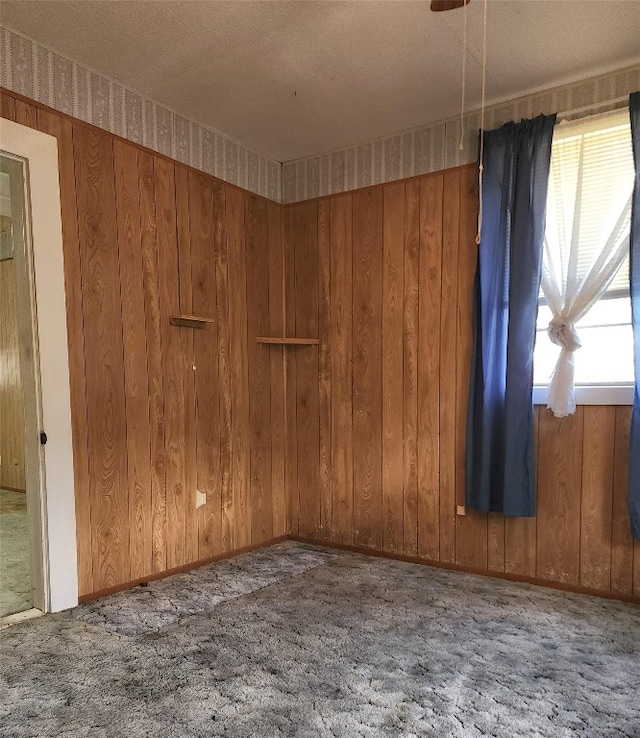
(592,395)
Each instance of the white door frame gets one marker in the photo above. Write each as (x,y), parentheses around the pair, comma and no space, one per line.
(45,266)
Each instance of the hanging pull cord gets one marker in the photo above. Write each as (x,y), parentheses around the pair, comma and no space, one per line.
(464,77)
(482,107)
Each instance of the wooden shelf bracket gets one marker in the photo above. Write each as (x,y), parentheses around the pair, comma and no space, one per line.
(189,321)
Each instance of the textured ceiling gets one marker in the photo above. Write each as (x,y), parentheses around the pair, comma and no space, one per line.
(291,79)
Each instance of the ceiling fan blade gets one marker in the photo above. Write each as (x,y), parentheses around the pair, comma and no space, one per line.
(439,5)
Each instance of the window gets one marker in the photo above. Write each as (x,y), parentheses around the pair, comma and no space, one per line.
(588,206)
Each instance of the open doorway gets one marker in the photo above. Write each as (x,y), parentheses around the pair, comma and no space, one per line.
(38,567)
(18,584)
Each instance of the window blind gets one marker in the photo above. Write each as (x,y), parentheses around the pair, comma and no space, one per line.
(590,185)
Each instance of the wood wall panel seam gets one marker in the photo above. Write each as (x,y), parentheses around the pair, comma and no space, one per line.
(276,314)
(558,548)
(172,365)
(151,289)
(257,270)
(448,364)
(622,556)
(236,239)
(224,357)
(324,365)
(429,363)
(289,360)
(104,344)
(393,367)
(597,497)
(341,372)
(307,378)
(367,366)
(134,358)
(194,198)
(471,534)
(411,333)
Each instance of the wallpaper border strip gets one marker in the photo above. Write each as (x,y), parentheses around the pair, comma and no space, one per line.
(29,68)
(436,146)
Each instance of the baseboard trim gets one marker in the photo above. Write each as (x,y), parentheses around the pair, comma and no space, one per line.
(179,569)
(621,597)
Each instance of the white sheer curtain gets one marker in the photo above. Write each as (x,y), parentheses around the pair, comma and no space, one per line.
(587,234)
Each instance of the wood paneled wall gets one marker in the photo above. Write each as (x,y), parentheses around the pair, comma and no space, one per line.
(377,412)
(160,411)
(12,436)
(356,441)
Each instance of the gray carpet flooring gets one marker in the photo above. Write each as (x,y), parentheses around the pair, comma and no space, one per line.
(15,572)
(299,641)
